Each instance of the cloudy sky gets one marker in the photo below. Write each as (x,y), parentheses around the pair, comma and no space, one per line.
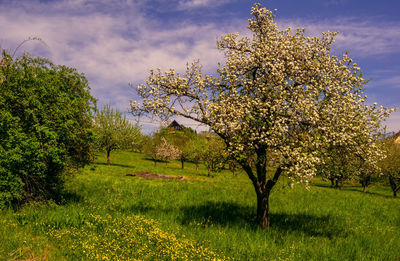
(115,43)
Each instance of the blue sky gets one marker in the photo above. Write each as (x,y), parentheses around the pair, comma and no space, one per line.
(117,42)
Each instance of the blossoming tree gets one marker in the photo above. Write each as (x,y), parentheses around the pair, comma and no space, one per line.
(167,152)
(281,96)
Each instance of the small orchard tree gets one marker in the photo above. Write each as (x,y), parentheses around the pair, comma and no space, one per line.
(194,150)
(138,144)
(335,166)
(181,140)
(343,163)
(367,175)
(151,144)
(149,149)
(279,93)
(214,156)
(166,151)
(114,130)
(233,165)
(390,165)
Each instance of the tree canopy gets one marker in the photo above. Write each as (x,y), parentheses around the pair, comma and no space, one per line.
(390,164)
(45,126)
(281,96)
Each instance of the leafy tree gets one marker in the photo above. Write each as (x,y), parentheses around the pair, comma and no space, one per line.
(367,175)
(214,156)
(339,165)
(233,165)
(114,131)
(181,140)
(45,127)
(279,93)
(194,150)
(149,148)
(390,165)
(356,161)
(138,144)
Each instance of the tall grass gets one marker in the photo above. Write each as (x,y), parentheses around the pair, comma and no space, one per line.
(107,214)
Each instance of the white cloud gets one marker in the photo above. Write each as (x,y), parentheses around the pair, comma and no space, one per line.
(112,50)
(387,82)
(393,123)
(363,37)
(190,4)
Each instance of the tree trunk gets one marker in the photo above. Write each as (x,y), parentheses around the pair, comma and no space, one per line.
(108,156)
(364,187)
(263,188)
(332,181)
(336,183)
(197,166)
(365,182)
(208,171)
(263,218)
(182,161)
(341,184)
(393,186)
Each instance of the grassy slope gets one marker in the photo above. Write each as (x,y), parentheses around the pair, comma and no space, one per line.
(202,218)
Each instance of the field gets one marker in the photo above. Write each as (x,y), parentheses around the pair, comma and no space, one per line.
(107,215)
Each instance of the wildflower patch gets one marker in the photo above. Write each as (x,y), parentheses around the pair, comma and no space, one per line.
(131,238)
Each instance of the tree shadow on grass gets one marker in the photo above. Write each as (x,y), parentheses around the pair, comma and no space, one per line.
(115,164)
(369,192)
(322,185)
(353,188)
(232,214)
(311,225)
(66,197)
(223,213)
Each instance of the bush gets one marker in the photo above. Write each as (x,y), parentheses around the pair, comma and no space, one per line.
(45,127)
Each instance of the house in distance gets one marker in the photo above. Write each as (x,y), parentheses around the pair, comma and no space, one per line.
(175,127)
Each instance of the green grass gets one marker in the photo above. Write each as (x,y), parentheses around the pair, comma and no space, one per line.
(108,215)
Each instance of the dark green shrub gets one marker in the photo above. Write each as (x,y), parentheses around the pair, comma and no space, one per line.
(45,127)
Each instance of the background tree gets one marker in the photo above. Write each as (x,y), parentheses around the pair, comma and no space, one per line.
(233,165)
(390,165)
(114,131)
(279,93)
(139,143)
(45,127)
(214,156)
(180,140)
(167,152)
(355,161)
(149,148)
(367,175)
(339,165)
(194,150)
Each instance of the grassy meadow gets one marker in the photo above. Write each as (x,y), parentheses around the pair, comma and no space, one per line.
(107,215)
